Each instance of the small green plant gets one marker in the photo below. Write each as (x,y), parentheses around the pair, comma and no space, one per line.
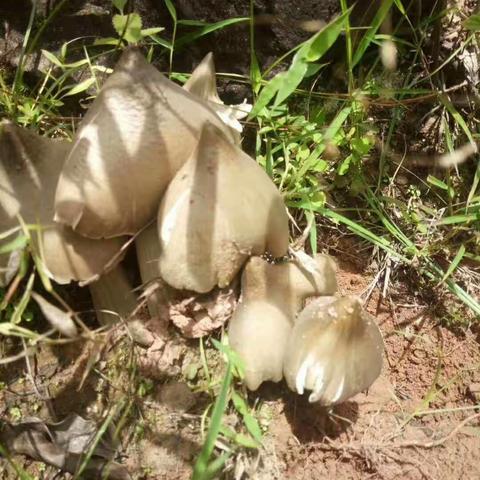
(208,465)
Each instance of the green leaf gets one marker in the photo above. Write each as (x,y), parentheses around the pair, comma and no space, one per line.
(345,165)
(171,10)
(250,421)
(437,183)
(18,243)
(369,36)
(23,302)
(267,93)
(456,260)
(472,23)
(128,27)
(207,28)
(81,87)
(454,219)
(311,51)
(147,32)
(119,4)
(52,58)
(106,41)
(201,468)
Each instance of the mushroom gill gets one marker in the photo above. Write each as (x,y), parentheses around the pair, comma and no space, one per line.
(272,295)
(334,350)
(219,209)
(137,133)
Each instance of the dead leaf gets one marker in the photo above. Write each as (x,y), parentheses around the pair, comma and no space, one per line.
(199,315)
(64,445)
(59,319)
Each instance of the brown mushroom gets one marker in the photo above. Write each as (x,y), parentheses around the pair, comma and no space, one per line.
(29,170)
(220,208)
(138,132)
(272,295)
(334,350)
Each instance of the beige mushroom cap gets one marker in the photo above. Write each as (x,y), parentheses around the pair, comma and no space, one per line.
(203,84)
(29,170)
(272,295)
(335,350)
(220,208)
(138,132)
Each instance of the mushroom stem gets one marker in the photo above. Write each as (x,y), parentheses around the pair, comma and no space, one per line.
(147,246)
(112,296)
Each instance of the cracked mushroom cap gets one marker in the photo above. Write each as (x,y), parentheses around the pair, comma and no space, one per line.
(220,208)
(203,84)
(137,133)
(29,170)
(272,295)
(335,350)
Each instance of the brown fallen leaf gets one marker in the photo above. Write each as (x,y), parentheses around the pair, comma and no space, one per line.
(59,319)
(198,315)
(64,446)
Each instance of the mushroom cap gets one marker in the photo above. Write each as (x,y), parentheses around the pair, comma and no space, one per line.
(137,133)
(335,350)
(202,81)
(272,295)
(259,332)
(29,169)
(203,84)
(288,284)
(220,208)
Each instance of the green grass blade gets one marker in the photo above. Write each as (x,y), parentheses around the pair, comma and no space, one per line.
(201,468)
(207,29)
(369,36)
(455,262)
(311,51)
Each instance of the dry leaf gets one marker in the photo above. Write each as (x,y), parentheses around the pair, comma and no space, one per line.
(199,315)
(59,319)
(64,445)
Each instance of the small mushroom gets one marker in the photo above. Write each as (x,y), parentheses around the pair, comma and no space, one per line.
(334,350)
(272,295)
(29,169)
(137,133)
(220,208)
(203,84)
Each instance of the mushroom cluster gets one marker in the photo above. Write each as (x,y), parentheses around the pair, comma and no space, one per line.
(162,166)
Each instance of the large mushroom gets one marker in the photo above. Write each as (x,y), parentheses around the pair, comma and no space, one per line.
(334,350)
(220,208)
(30,166)
(272,295)
(137,133)
(202,84)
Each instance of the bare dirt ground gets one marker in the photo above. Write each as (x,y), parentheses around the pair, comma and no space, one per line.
(419,420)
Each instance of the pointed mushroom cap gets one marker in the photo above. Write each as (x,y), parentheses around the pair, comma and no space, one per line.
(29,169)
(220,208)
(262,323)
(335,350)
(137,133)
(203,84)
